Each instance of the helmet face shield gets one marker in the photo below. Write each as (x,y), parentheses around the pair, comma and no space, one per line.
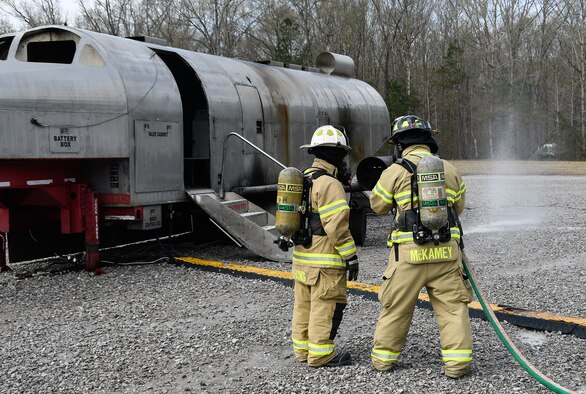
(328,136)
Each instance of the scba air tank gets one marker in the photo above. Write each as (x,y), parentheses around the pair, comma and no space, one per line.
(431,187)
(289,198)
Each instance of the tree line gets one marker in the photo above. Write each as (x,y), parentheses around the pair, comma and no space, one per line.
(497,78)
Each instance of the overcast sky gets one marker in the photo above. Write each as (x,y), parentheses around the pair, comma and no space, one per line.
(70,10)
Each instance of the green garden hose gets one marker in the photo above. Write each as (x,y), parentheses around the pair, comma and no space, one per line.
(530,368)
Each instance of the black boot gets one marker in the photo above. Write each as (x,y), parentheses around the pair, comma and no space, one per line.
(343,358)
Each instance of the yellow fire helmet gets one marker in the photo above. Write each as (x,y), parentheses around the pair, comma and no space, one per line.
(409,122)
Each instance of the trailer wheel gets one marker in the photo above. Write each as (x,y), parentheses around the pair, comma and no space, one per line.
(358,225)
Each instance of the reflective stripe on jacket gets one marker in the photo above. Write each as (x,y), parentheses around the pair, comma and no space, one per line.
(328,199)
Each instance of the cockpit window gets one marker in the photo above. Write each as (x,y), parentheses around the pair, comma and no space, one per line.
(51,51)
(5,46)
(91,57)
(49,45)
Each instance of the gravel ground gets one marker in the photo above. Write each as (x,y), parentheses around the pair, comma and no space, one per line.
(162,328)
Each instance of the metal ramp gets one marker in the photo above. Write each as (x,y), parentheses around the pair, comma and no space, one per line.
(247,224)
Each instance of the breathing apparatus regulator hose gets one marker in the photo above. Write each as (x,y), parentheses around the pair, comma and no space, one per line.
(506,340)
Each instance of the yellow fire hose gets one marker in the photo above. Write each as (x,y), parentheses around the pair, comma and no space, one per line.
(530,368)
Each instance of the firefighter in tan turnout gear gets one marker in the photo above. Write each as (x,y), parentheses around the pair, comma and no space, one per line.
(420,257)
(319,267)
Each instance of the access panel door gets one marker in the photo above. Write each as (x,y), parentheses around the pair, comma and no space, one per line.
(158,156)
(252,116)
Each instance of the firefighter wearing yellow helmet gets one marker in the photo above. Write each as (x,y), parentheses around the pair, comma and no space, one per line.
(320,265)
(420,256)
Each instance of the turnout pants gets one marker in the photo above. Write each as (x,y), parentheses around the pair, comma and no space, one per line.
(449,298)
(320,299)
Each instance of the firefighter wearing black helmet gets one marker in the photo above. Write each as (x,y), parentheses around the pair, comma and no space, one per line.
(320,266)
(435,265)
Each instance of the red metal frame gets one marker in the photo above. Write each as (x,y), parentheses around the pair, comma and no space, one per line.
(37,190)
(114,199)
(92,231)
(33,192)
(4,218)
(3,266)
(31,173)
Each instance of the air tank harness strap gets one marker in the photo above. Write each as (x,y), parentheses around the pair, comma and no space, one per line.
(310,221)
(311,175)
(412,168)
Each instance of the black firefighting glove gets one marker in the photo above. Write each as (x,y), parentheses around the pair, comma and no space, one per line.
(352,268)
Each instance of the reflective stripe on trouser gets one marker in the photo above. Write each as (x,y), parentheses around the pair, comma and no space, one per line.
(457,355)
(301,346)
(385,359)
(317,314)
(449,298)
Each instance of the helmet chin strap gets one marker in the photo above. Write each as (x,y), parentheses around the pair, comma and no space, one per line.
(398,149)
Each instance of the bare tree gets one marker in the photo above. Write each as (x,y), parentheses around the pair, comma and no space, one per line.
(516,18)
(106,16)
(481,18)
(160,18)
(449,96)
(33,13)
(575,26)
(547,24)
(5,25)
(218,26)
(387,21)
(277,34)
(307,11)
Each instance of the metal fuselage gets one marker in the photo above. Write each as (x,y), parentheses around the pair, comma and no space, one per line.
(138,123)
